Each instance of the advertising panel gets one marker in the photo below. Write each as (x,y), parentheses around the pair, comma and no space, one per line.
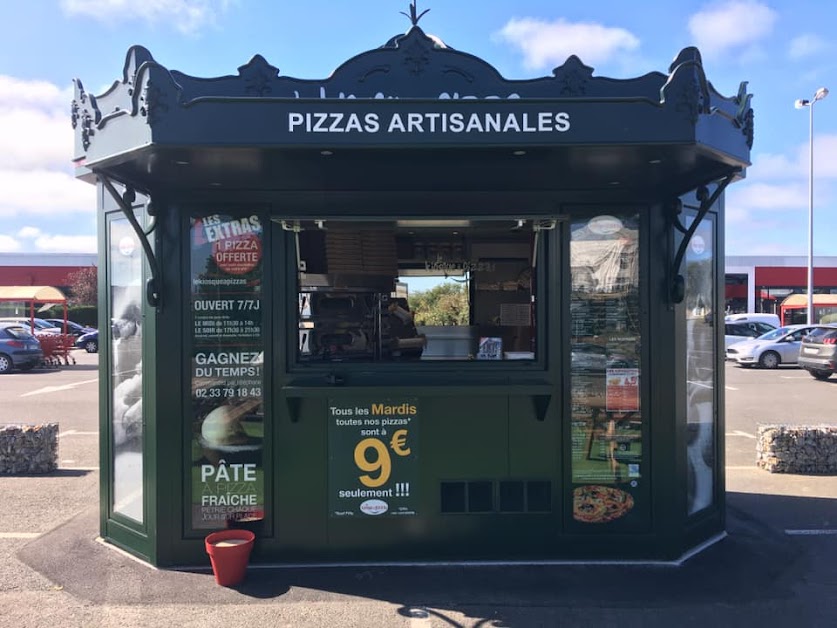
(227,364)
(373,452)
(607,423)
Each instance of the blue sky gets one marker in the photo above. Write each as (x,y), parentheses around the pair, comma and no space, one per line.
(785,49)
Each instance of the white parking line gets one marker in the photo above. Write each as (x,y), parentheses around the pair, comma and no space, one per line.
(76,433)
(740,433)
(51,389)
(730,388)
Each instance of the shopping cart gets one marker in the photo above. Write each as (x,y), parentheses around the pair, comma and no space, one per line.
(56,348)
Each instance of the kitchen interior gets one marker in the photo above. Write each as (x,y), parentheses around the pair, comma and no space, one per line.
(359,284)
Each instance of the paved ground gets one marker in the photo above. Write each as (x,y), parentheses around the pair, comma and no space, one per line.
(775,568)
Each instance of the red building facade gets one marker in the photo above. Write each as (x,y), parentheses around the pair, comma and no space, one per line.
(42,269)
(761,283)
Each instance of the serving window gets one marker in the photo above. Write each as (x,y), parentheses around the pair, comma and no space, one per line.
(417,290)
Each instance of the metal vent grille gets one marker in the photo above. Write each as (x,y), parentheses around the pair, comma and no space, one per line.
(501,496)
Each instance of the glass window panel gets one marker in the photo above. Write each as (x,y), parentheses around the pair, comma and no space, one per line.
(416,290)
(699,264)
(605,366)
(125,299)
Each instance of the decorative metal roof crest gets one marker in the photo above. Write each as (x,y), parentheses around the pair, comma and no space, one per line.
(414,19)
(411,66)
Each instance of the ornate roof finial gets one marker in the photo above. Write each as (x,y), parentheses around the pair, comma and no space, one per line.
(412,16)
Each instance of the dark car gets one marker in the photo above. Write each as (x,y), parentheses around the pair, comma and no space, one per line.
(73,328)
(818,351)
(89,341)
(19,349)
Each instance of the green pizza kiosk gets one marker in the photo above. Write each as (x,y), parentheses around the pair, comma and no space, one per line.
(413,311)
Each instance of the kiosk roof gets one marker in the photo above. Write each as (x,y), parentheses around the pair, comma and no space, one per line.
(412,114)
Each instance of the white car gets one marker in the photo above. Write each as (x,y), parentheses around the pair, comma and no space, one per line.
(780,346)
(738,332)
(748,317)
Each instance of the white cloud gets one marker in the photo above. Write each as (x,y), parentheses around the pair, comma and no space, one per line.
(42,94)
(66,244)
(769,197)
(37,188)
(44,192)
(806,46)
(35,128)
(547,44)
(48,243)
(774,167)
(825,147)
(187,16)
(736,25)
(28,233)
(9,245)
(31,138)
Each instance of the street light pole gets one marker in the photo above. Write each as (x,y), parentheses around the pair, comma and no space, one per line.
(821,93)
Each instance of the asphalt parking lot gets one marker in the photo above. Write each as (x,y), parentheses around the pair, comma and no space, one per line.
(776,566)
(784,395)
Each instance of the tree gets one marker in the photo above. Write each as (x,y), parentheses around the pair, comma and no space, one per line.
(83,285)
(445,304)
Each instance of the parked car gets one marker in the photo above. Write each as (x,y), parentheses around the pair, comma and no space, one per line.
(73,328)
(736,332)
(19,349)
(761,317)
(35,326)
(818,352)
(89,341)
(780,346)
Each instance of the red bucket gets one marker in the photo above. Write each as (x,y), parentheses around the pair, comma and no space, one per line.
(229,553)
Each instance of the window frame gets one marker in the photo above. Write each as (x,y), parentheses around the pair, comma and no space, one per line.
(546,282)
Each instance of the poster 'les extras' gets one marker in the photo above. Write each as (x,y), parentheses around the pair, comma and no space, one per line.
(227,372)
(235,243)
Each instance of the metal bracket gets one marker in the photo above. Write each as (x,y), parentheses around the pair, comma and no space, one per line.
(292,226)
(676,210)
(153,292)
(545,225)
(541,406)
(678,282)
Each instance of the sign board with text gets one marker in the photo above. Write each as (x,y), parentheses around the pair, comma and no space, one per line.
(373,452)
(227,471)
